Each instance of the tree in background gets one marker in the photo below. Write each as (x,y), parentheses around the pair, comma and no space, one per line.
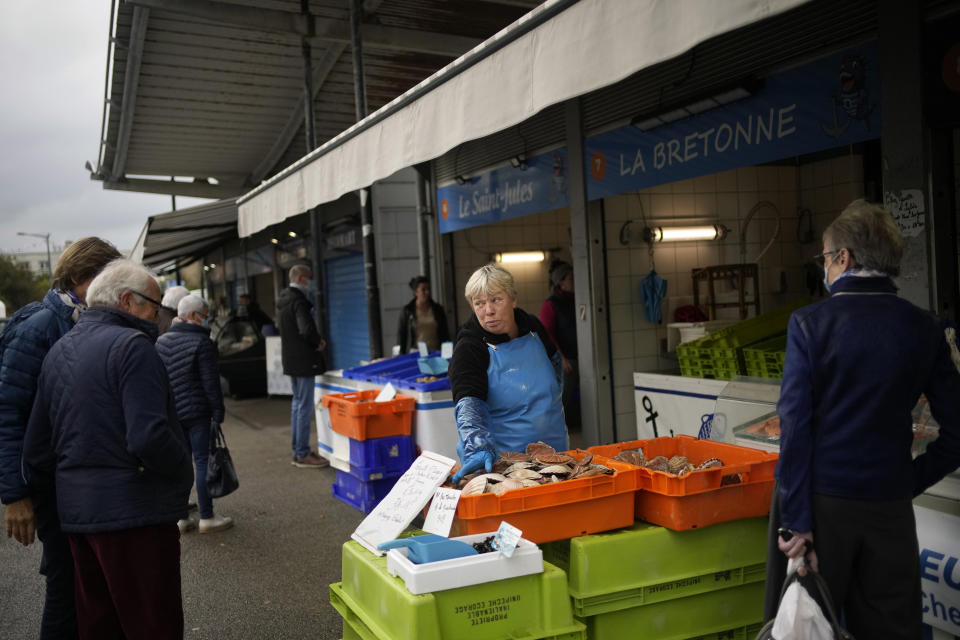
(18,285)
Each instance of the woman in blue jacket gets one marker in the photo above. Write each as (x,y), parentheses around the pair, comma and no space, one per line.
(856,364)
(505,374)
(26,341)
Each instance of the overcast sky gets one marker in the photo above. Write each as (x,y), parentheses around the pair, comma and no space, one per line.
(53,60)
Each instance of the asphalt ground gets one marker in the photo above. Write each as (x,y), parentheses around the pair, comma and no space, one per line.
(267,577)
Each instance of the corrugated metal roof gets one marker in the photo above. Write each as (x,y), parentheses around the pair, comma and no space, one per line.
(214,97)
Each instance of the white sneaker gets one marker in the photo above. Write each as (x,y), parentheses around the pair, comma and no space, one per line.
(216,523)
(186,525)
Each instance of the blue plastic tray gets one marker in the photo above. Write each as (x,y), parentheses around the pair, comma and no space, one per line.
(369,372)
(380,458)
(361,495)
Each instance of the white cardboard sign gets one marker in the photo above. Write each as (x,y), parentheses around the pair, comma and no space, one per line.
(407,498)
(443,508)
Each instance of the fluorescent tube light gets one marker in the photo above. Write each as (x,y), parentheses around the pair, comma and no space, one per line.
(520,256)
(678,234)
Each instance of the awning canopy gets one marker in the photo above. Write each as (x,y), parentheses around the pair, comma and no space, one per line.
(562,49)
(212,92)
(181,237)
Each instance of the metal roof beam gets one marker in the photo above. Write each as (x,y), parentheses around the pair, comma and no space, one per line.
(289,131)
(323,28)
(138,31)
(166,187)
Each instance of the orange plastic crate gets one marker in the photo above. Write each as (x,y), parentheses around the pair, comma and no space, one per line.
(556,511)
(700,498)
(357,415)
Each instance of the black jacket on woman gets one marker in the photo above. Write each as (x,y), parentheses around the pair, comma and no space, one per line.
(407,327)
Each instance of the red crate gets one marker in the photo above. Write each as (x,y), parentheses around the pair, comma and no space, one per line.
(555,511)
(705,497)
(358,416)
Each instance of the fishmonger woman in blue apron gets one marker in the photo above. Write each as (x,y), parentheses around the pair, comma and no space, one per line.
(506,376)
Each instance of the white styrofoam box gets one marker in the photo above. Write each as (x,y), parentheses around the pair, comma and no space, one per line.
(277,383)
(332,382)
(434,425)
(466,571)
(676,403)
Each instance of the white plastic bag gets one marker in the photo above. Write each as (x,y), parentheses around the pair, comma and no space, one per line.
(799,617)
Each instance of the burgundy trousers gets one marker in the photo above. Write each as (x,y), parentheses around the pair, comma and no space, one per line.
(128,584)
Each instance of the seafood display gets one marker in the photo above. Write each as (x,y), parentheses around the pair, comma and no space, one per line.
(677,465)
(538,464)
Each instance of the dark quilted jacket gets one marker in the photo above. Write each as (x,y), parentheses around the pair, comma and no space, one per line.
(191,362)
(104,426)
(26,345)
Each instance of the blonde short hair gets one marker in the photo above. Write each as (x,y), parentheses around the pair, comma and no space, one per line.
(868,232)
(489,279)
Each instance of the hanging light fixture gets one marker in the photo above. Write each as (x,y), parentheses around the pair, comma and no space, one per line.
(520,256)
(678,234)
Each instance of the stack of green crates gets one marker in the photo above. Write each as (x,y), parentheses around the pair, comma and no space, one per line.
(377,606)
(669,585)
(765,359)
(720,354)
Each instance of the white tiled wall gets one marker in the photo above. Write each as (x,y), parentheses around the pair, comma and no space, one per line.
(824,187)
(548,231)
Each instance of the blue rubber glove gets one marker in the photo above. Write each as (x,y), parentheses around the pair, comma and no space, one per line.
(482,459)
(475,447)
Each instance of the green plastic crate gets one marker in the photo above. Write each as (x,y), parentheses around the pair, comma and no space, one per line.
(354,627)
(533,606)
(708,615)
(645,563)
(723,343)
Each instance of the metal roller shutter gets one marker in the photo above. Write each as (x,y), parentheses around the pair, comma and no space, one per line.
(349,341)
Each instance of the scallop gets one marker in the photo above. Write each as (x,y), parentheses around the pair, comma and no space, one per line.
(536,448)
(514,456)
(658,463)
(632,456)
(506,485)
(515,466)
(524,474)
(554,458)
(555,470)
(475,487)
(676,463)
(530,483)
(709,464)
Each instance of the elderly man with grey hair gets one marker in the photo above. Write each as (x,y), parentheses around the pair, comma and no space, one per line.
(301,352)
(191,361)
(104,430)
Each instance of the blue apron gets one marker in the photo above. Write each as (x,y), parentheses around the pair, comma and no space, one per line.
(524,396)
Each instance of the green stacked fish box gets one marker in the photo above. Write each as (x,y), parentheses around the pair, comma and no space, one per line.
(720,354)
(765,359)
(648,581)
(375,605)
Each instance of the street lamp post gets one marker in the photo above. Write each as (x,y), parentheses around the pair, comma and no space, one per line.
(45,236)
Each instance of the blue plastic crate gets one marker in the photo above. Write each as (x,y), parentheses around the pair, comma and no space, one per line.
(369,372)
(359,494)
(380,458)
(409,381)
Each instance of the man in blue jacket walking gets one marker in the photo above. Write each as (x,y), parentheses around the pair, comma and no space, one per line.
(191,362)
(28,338)
(104,429)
